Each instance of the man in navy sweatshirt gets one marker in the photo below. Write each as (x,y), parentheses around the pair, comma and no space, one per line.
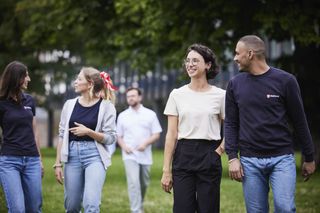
(261,101)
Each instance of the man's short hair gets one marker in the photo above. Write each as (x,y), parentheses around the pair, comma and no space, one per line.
(134,88)
(256,44)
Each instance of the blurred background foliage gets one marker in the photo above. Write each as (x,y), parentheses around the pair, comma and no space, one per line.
(60,36)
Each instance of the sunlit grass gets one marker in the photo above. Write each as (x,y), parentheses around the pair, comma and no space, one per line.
(115,198)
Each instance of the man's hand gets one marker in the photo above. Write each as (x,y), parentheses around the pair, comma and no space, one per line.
(308,169)
(127,149)
(235,170)
(142,147)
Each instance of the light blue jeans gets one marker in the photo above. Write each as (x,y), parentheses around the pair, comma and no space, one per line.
(138,178)
(20,177)
(280,173)
(84,176)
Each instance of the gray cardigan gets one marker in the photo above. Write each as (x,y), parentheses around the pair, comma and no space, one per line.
(106,124)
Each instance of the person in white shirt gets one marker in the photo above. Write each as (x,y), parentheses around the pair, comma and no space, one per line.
(192,163)
(137,127)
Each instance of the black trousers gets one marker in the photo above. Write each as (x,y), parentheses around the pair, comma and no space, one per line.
(196,171)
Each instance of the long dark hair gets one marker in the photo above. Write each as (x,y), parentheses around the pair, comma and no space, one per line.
(12,80)
(208,56)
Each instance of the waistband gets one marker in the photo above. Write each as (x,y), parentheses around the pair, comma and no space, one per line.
(199,143)
(81,141)
(185,140)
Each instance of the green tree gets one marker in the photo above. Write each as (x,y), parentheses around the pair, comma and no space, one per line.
(100,32)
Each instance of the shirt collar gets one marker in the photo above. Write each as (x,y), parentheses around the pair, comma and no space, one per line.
(23,96)
(139,109)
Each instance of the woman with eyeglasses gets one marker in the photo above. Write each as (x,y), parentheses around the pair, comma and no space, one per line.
(87,127)
(195,111)
(20,160)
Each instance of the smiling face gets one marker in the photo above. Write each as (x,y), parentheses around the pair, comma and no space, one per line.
(242,57)
(81,85)
(195,65)
(25,81)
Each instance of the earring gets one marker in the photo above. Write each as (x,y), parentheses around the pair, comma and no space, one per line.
(91,93)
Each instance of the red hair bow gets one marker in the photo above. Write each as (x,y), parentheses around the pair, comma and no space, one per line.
(107,81)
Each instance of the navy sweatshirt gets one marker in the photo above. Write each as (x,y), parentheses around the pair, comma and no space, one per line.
(262,111)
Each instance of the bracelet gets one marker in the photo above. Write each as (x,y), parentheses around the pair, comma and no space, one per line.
(57,165)
(232,160)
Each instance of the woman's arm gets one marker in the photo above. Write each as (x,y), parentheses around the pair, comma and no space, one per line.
(58,166)
(220,149)
(170,143)
(36,137)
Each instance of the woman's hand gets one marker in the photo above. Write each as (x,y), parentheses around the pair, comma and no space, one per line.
(79,130)
(42,169)
(166,181)
(59,174)
(220,150)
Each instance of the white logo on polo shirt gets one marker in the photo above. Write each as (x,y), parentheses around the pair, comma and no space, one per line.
(273,96)
(27,107)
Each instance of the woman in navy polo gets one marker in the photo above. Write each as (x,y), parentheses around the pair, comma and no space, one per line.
(20,160)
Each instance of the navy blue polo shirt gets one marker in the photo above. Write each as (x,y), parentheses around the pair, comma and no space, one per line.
(16,123)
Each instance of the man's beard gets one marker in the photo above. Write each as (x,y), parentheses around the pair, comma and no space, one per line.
(134,104)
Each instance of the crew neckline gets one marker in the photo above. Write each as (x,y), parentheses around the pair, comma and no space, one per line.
(209,90)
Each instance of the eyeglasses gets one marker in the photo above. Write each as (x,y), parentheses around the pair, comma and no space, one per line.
(193,61)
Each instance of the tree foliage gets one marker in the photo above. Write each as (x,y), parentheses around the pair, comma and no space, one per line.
(141,32)
(101,32)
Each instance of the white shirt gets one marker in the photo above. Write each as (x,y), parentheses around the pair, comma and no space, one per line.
(135,126)
(199,113)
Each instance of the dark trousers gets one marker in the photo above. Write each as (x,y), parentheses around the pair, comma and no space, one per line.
(196,177)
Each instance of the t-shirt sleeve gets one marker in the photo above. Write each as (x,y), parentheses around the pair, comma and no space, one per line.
(155,126)
(33,107)
(119,126)
(222,105)
(171,106)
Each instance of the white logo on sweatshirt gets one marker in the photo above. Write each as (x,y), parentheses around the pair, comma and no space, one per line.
(27,107)
(273,96)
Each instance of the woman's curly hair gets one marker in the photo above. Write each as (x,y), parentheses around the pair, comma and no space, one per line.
(208,56)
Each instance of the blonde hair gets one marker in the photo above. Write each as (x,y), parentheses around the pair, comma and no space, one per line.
(99,87)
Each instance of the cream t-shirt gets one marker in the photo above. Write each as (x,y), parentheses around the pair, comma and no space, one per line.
(199,113)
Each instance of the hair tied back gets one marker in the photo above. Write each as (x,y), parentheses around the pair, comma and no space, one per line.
(107,81)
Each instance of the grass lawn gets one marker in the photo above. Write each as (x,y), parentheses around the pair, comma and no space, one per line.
(115,199)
